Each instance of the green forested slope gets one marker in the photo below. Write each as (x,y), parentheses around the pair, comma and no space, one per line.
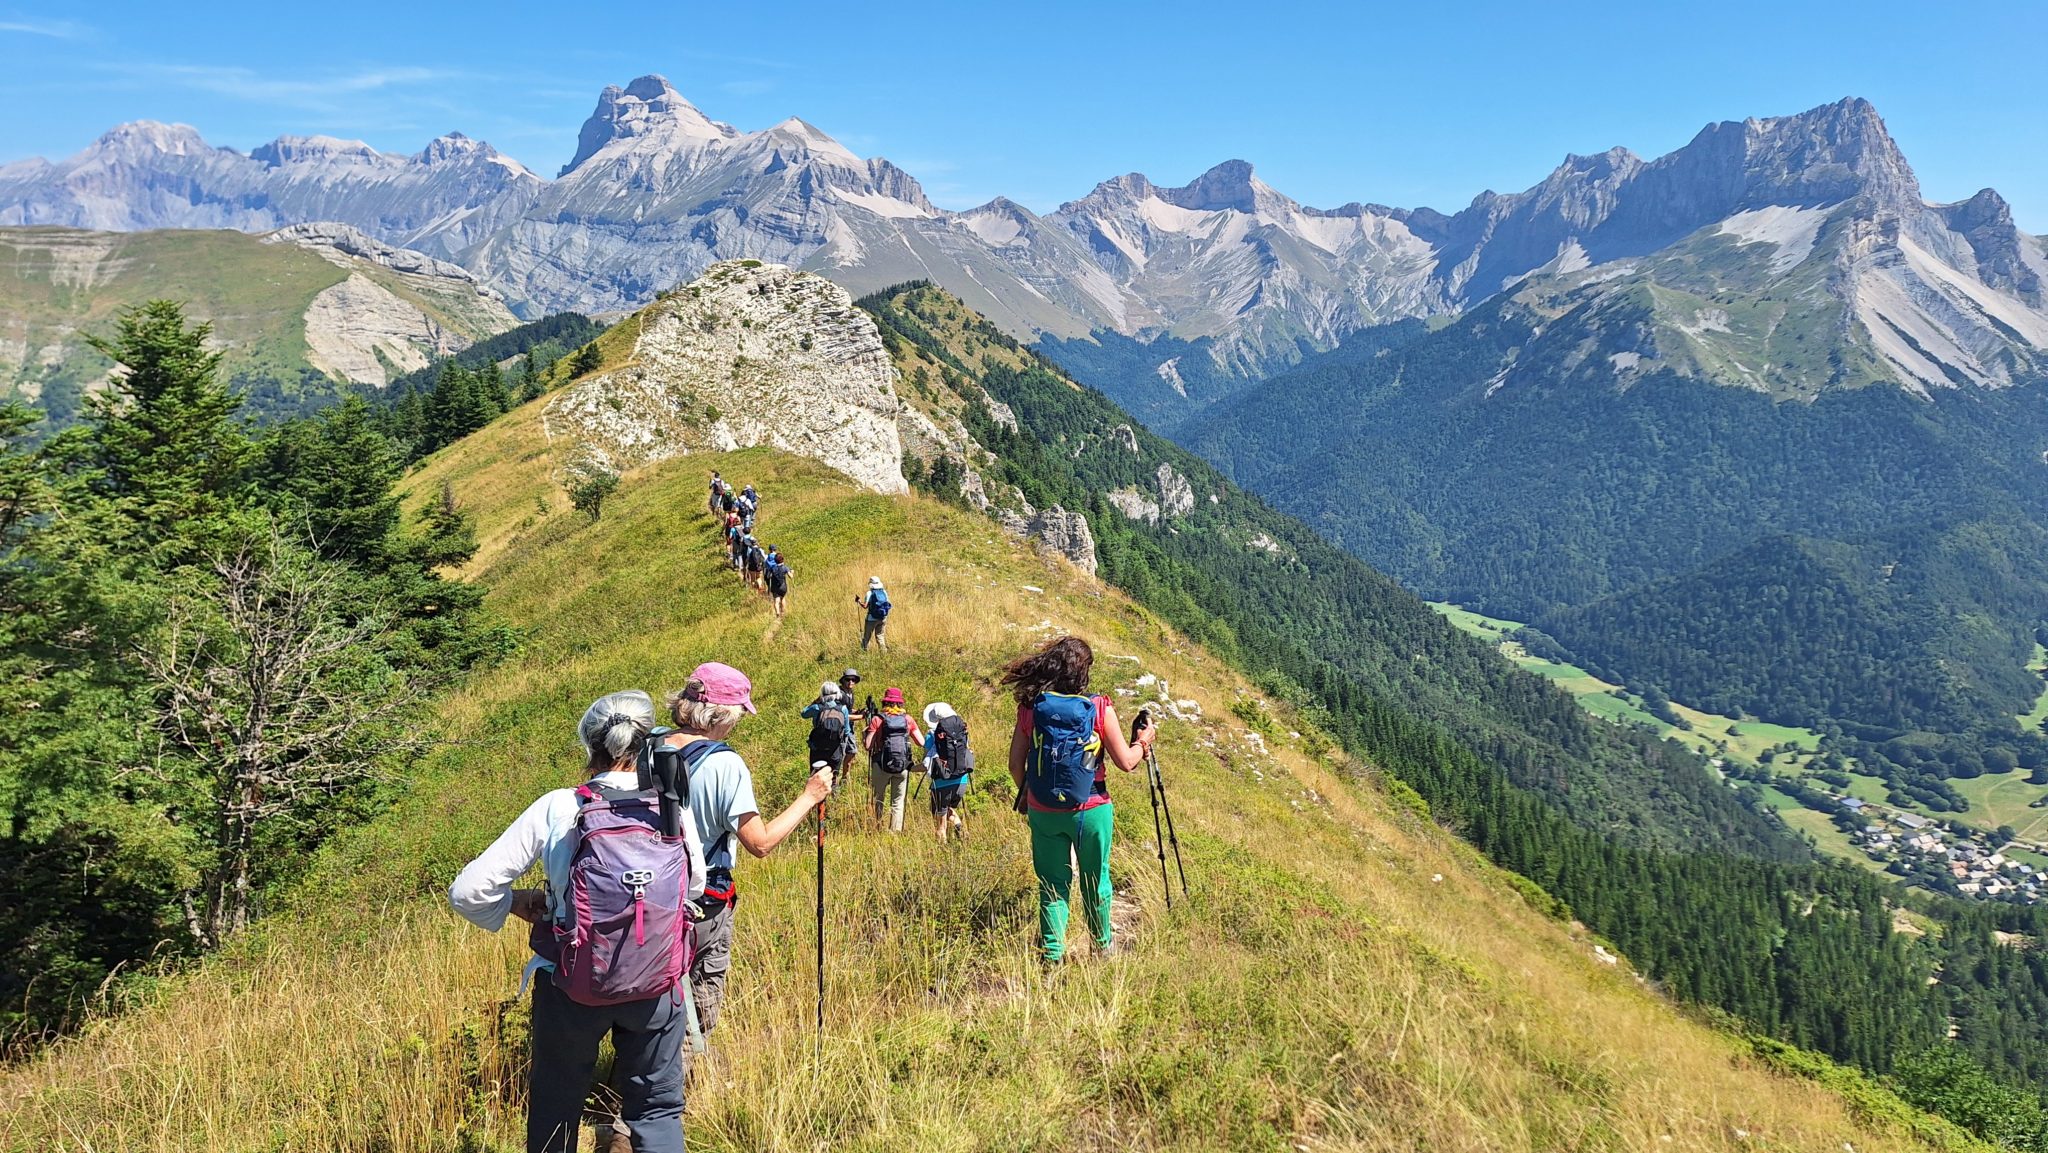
(1503,463)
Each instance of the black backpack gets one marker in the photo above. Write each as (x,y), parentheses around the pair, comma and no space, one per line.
(894,756)
(832,735)
(950,741)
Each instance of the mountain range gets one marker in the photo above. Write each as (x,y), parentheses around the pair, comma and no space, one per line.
(1821,203)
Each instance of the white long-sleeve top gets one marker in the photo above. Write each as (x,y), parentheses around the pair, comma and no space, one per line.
(544,833)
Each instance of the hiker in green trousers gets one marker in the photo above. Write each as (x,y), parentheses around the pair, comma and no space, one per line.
(1060,751)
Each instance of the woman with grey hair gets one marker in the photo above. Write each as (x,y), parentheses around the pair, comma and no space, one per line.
(647,1034)
(705,711)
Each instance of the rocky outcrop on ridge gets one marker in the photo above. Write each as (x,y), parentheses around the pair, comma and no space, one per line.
(747,354)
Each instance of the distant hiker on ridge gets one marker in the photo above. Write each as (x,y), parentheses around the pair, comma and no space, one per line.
(635,997)
(717,491)
(949,761)
(1059,753)
(876,622)
(778,573)
(705,711)
(891,736)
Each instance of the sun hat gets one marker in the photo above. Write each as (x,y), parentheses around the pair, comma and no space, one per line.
(724,685)
(935,712)
(850,675)
(875,583)
(893,696)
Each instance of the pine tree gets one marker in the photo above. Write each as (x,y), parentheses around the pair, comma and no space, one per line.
(164,440)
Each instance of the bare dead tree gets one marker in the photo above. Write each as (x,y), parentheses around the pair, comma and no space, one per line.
(271,696)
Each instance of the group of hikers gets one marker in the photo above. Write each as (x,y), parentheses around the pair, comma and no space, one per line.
(760,566)
(632,930)
(895,749)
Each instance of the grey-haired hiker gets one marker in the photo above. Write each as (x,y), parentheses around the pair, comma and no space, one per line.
(705,711)
(576,1004)
(875,622)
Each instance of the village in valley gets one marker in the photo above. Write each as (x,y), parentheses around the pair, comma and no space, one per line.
(1944,856)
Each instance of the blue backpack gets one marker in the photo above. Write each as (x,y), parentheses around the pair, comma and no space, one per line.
(878,606)
(1065,751)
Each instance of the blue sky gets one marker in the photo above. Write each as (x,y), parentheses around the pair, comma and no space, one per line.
(1405,104)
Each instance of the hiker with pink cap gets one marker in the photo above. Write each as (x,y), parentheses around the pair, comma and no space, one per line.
(890,739)
(705,711)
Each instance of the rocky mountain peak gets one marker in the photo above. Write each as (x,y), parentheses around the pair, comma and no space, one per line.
(147,137)
(1229,185)
(897,184)
(1616,163)
(648,107)
(313,150)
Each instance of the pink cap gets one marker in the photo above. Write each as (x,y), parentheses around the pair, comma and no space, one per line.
(725,685)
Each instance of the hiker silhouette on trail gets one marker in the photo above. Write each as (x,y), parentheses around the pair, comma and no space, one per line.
(876,619)
(717,492)
(633,992)
(1060,750)
(705,711)
(949,761)
(777,576)
(891,738)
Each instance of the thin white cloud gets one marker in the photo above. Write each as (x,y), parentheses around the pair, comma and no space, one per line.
(55,29)
(297,90)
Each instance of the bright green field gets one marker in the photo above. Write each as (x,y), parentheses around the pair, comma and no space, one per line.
(1710,732)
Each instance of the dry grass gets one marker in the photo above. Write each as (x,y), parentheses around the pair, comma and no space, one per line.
(1323,990)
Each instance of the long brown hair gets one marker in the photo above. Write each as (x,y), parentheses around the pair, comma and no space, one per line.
(1060,665)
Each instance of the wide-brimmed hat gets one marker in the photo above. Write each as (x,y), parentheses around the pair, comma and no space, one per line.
(724,685)
(894,696)
(935,712)
(850,675)
(875,584)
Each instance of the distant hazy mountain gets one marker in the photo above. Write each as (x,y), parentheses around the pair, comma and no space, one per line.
(1821,204)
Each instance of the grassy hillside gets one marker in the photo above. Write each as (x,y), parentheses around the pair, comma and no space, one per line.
(58,285)
(1347,977)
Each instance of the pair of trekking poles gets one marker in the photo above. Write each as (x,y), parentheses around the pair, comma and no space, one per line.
(1155,788)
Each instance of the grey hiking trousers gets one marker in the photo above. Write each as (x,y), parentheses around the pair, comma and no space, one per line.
(648,1038)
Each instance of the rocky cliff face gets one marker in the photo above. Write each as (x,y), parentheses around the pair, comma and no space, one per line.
(746,354)
(373,324)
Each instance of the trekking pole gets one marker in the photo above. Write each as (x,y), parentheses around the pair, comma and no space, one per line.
(1160,780)
(1158,837)
(818,1046)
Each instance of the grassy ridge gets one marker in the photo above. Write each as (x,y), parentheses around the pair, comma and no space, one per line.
(1347,976)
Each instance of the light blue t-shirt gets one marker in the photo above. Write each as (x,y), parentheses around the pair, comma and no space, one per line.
(721,796)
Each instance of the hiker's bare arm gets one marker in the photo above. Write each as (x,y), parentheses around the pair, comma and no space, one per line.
(1124,754)
(760,837)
